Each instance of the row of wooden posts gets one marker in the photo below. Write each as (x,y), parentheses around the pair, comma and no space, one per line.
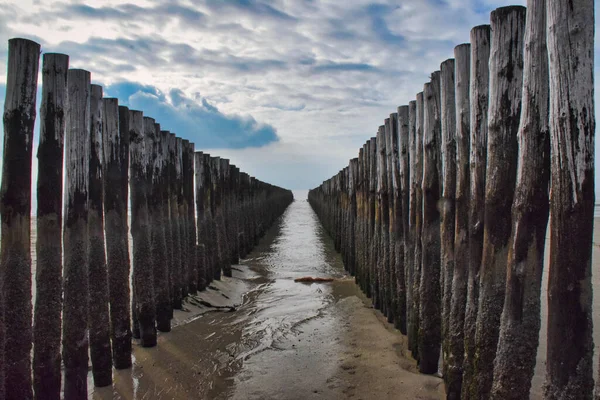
(442,217)
(192,216)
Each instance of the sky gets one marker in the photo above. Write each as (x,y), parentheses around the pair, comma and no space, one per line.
(288,90)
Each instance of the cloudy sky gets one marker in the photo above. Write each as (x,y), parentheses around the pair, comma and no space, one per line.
(287,89)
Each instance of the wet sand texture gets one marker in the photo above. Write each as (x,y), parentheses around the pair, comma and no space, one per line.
(502,240)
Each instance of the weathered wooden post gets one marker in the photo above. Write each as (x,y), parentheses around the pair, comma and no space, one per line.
(182,215)
(157,223)
(224,209)
(448,178)
(372,261)
(520,322)
(191,219)
(215,163)
(174,177)
(453,363)
(140,188)
(411,314)
(15,206)
(98,314)
(76,289)
(48,301)
(201,225)
(418,255)
(394,275)
(403,165)
(506,88)
(430,296)
(166,147)
(383,230)
(572,126)
(479,93)
(116,177)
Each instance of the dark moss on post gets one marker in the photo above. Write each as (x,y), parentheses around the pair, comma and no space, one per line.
(116,177)
(140,189)
(480,54)
(569,358)
(76,289)
(506,88)
(430,297)
(454,361)
(48,301)
(98,314)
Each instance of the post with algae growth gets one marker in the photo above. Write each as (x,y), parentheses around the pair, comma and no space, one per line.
(520,322)
(116,177)
(430,296)
(572,127)
(98,314)
(15,202)
(76,289)
(506,87)
(48,300)
(480,54)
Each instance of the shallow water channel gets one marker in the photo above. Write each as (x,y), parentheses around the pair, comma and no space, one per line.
(280,331)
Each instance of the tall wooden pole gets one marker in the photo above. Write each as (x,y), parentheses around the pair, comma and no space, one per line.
(76,289)
(572,126)
(116,177)
(506,88)
(182,216)
(158,224)
(140,187)
(430,296)
(15,194)
(480,54)
(48,301)
(412,321)
(191,218)
(454,361)
(520,322)
(402,162)
(98,314)
(448,177)
(174,177)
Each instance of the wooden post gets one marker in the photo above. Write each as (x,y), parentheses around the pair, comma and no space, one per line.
(15,206)
(506,88)
(222,219)
(98,314)
(157,221)
(572,126)
(520,322)
(403,165)
(430,296)
(418,168)
(391,129)
(191,219)
(453,363)
(116,177)
(140,188)
(174,177)
(201,225)
(372,260)
(182,216)
(76,289)
(480,54)
(165,139)
(48,300)
(411,303)
(448,177)
(382,219)
(215,204)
